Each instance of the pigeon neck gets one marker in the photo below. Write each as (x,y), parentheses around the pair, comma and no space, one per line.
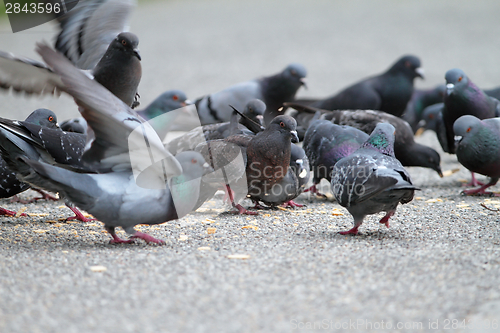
(379,143)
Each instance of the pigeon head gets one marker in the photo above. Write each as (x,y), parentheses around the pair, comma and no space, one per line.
(255,111)
(285,125)
(431,116)
(455,80)
(127,42)
(466,125)
(193,165)
(170,100)
(382,139)
(43,117)
(409,65)
(295,73)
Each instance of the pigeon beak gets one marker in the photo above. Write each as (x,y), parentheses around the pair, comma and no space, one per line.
(207,168)
(449,88)
(295,138)
(420,72)
(260,118)
(303,81)
(440,173)
(186,102)
(57,125)
(137,53)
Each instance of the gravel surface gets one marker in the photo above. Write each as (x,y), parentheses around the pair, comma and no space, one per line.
(437,267)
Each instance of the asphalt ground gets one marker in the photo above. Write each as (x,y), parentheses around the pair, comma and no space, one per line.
(437,267)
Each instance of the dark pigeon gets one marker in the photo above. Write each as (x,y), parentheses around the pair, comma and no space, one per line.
(266,159)
(420,99)
(408,152)
(9,184)
(463,97)
(433,120)
(119,70)
(127,187)
(87,30)
(291,186)
(372,180)
(389,91)
(325,143)
(478,149)
(272,90)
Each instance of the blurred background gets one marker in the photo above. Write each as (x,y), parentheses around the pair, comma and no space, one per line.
(204,46)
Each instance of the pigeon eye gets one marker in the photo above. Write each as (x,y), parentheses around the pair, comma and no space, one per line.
(431,116)
(175,97)
(407,64)
(51,118)
(194,161)
(468,130)
(293,72)
(459,79)
(124,42)
(282,124)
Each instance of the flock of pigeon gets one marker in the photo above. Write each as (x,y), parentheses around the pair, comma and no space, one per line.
(245,144)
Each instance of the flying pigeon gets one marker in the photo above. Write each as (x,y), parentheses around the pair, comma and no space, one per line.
(273,90)
(478,148)
(119,70)
(389,91)
(128,169)
(372,180)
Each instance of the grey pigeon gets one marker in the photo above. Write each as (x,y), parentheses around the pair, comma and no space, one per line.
(325,143)
(9,184)
(463,97)
(119,70)
(272,90)
(420,99)
(408,152)
(372,180)
(75,125)
(129,182)
(389,91)
(478,148)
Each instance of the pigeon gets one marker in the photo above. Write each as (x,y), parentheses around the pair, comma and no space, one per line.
(9,184)
(325,143)
(119,70)
(478,148)
(420,99)
(168,101)
(463,97)
(433,120)
(128,169)
(372,180)
(75,125)
(291,186)
(265,159)
(389,91)
(249,123)
(409,152)
(87,30)
(272,90)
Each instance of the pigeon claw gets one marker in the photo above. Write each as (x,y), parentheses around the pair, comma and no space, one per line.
(45,196)
(242,210)
(292,204)
(78,216)
(353,231)
(147,238)
(385,219)
(7,212)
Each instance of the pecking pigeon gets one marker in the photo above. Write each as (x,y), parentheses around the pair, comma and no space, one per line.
(372,180)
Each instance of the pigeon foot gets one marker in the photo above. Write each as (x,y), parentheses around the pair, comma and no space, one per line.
(242,210)
(353,231)
(7,212)
(292,204)
(385,219)
(147,238)
(78,216)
